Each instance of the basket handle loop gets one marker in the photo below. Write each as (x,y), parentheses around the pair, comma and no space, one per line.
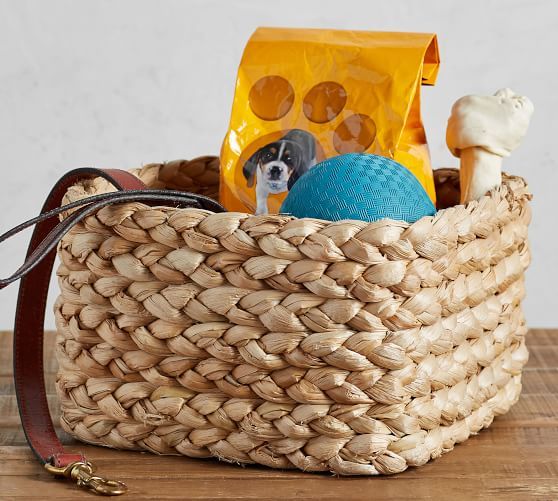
(31,305)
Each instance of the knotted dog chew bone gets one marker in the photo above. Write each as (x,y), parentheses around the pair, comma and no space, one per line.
(481,131)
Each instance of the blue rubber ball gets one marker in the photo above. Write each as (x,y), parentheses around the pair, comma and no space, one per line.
(358,186)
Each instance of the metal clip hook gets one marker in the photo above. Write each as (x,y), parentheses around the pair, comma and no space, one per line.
(82,473)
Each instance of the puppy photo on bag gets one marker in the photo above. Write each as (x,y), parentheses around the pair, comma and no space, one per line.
(275,167)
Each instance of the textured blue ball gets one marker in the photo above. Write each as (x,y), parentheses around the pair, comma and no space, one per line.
(358,186)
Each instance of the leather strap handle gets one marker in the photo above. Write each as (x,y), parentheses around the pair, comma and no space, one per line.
(31,305)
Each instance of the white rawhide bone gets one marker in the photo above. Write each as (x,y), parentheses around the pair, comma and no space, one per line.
(481,131)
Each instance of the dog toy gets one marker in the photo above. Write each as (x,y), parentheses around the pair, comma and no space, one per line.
(481,131)
(358,186)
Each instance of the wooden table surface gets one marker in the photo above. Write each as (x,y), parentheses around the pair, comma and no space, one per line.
(516,458)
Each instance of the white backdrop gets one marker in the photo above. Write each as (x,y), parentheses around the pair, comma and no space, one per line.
(121,83)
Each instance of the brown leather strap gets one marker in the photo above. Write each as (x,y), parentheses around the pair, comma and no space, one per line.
(35,277)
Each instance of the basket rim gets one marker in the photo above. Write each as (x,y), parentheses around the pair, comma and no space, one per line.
(513,188)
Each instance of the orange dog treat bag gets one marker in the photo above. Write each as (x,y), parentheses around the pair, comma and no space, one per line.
(304,95)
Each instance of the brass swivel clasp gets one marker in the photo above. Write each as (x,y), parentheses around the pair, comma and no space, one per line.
(82,473)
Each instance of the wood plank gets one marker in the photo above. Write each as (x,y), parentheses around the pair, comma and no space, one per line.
(542,337)
(543,356)
(50,364)
(286,485)
(310,488)
(489,466)
(539,381)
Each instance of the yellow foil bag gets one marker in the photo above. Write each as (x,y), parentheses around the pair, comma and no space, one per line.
(304,95)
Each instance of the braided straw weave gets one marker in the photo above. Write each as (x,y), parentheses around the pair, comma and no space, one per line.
(358,348)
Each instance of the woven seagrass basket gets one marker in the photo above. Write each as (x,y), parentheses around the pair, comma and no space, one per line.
(358,348)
